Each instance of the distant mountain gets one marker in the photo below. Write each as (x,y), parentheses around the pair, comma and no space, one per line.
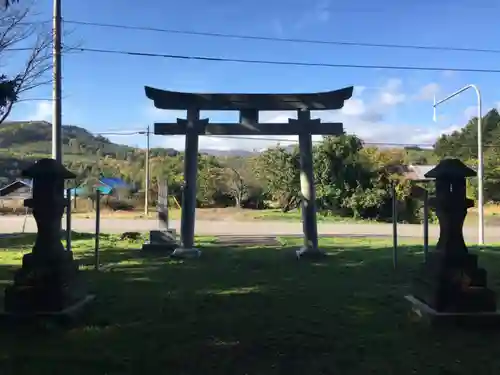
(36,136)
(239,152)
(235,152)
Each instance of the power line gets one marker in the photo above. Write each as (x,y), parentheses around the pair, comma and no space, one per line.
(259,138)
(277,62)
(284,40)
(285,140)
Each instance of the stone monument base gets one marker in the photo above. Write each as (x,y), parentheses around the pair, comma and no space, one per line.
(310,253)
(183,253)
(161,241)
(67,314)
(425,313)
(46,286)
(454,284)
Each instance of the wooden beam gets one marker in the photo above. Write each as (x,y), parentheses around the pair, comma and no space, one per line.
(315,127)
(165,99)
(249,116)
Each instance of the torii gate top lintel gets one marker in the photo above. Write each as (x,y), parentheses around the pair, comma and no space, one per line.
(174,100)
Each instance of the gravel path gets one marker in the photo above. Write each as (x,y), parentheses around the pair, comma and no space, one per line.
(13,224)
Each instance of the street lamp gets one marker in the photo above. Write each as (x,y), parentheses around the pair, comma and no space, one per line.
(57,83)
(480,172)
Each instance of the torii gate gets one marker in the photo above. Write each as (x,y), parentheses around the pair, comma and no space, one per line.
(248,106)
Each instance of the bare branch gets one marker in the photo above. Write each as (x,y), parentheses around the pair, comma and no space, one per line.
(19,34)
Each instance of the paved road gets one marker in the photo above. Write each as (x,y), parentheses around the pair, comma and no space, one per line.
(14,224)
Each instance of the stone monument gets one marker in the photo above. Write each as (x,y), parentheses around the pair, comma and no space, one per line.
(48,282)
(450,282)
(164,239)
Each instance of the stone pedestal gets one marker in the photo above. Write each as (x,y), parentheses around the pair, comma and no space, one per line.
(48,282)
(454,285)
(161,241)
(306,252)
(182,252)
(450,281)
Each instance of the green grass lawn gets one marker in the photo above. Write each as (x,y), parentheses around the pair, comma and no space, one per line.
(253,310)
(295,215)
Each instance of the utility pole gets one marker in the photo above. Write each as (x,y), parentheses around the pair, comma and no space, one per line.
(146,192)
(56,93)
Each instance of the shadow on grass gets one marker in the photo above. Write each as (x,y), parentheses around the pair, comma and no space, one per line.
(16,241)
(254,311)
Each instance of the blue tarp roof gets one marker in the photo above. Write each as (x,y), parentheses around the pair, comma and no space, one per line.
(77,191)
(104,189)
(113,182)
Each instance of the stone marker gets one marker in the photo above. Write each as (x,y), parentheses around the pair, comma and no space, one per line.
(48,281)
(164,239)
(450,283)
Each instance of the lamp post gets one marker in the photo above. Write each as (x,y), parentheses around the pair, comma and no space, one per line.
(147,170)
(57,83)
(480,172)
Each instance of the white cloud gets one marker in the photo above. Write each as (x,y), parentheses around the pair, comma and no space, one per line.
(322,10)
(428,92)
(160,115)
(354,107)
(393,84)
(470,112)
(390,94)
(359,90)
(392,99)
(362,116)
(42,112)
(318,12)
(389,133)
(449,73)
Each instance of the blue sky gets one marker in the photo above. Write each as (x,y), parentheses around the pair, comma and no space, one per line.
(105,92)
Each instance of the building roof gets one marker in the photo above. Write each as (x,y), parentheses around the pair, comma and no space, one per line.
(14,186)
(417,172)
(113,182)
(175,100)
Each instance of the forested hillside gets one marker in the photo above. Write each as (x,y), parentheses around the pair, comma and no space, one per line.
(463,144)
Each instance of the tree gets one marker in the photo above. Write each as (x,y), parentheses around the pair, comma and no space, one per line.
(208,184)
(234,178)
(8,3)
(278,171)
(463,143)
(20,35)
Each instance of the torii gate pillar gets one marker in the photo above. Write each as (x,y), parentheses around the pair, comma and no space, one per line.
(193,127)
(308,192)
